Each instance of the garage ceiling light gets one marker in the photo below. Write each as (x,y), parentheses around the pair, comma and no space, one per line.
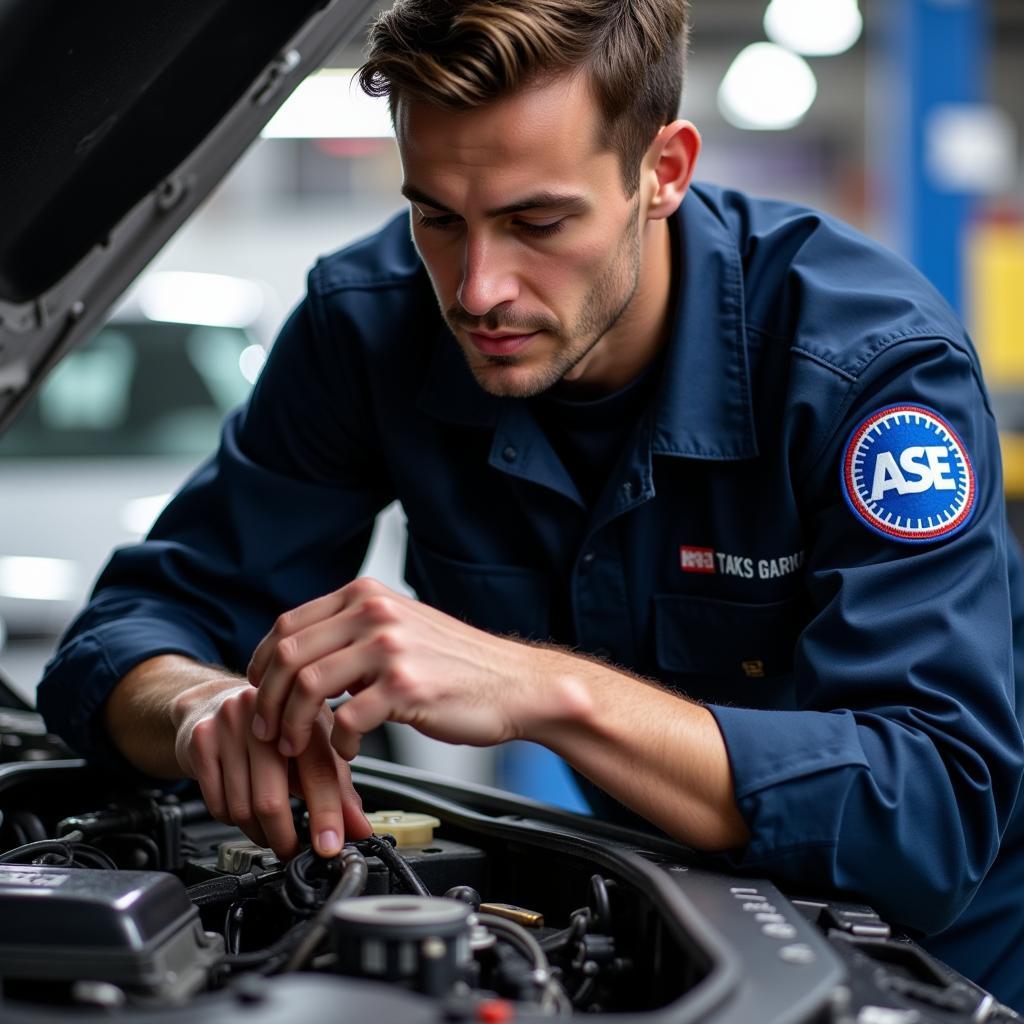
(331,105)
(815,28)
(38,579)
(210,300)
(767,88)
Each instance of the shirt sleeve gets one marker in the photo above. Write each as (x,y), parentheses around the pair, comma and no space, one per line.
(896,774)
(281,514)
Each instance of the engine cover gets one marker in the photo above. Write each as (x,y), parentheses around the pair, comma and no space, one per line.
(135,929)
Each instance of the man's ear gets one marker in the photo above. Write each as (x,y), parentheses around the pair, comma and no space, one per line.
(668,167)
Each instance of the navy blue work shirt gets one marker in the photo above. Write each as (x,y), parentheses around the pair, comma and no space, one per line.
(813,385)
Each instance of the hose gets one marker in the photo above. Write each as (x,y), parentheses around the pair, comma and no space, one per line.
(354,873)
(383,846)
(72,855)
(293,949)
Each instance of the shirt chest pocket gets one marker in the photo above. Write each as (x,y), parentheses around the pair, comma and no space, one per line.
(730,643)
(498,598)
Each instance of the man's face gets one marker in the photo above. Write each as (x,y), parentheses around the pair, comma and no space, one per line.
(523,222)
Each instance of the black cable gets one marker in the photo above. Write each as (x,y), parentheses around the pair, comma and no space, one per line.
(269,957)
(233,927)
(600,902)
(302,894)
(553,996)
(69,854)
(354,873)
(516,935)
(86,856)
(579,924)
(383,846)
(214,890)
(42,848)
(306,934)
(227,888)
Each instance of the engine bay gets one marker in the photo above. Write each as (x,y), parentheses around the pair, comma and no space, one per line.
(466,904)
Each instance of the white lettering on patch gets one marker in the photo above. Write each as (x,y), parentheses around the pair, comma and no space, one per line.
(916,476)
(773,568)
(722,563)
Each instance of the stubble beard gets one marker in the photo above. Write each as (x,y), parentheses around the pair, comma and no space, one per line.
(606,302)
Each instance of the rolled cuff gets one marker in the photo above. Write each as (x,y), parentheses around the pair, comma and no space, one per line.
(80,678)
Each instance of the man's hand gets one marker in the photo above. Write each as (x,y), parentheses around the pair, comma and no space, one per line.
(402,661)
(247,782)
(171,716)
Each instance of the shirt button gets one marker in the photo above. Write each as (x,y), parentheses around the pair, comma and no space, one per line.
(588,558)
(510,454)
(627,490)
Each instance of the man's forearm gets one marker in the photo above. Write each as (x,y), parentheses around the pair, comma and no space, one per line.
(657,753)
(145,709)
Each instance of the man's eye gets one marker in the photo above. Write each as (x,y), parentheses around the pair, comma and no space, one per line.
(541,230)
(443,223)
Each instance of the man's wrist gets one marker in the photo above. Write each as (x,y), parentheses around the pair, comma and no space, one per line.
(147,707)
(565,692)
(196,697)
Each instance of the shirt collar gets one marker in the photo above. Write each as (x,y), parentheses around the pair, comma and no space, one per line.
(703,407)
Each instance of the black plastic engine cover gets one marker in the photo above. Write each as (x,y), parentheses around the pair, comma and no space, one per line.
(127,927)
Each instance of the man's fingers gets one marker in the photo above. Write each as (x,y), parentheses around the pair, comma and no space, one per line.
(356,717)
(318,774)
(357,825)
(296,671)
(303,617)
(211,783)
(269,786)
(198,754)
(238,791)
(328,677)
(289,624)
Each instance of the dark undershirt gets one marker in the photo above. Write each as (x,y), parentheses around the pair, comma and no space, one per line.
(589,437)
(589,434)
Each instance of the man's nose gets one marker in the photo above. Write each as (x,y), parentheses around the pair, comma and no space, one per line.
(487,278)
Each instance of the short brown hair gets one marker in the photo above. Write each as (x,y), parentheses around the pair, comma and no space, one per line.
(467,53)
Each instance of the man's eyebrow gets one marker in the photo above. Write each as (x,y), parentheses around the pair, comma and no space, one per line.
(537,201)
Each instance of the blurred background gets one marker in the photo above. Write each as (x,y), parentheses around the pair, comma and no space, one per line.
(903,117)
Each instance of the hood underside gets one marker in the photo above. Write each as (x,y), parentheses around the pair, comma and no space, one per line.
(118,119)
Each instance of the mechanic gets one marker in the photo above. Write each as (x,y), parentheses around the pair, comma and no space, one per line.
(703,494)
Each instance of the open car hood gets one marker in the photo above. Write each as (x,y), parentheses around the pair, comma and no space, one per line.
(118,119)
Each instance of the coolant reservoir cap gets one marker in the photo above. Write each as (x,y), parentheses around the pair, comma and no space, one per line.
(407,828)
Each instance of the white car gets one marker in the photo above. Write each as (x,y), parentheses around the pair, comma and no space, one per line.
(113,431)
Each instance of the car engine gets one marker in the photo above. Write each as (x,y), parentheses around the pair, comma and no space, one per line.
(467,904)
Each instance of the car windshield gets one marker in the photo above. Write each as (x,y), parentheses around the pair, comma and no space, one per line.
(138,388)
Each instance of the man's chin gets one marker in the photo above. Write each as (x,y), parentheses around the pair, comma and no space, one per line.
(508,378)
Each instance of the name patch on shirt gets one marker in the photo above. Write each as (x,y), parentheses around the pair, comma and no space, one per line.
(708,560)
(907,475)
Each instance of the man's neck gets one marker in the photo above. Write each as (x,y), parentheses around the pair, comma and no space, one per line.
(640,333)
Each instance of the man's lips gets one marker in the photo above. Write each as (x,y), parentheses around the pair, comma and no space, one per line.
(500,344)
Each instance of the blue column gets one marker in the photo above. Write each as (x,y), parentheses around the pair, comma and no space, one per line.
(533,771)
(926,55)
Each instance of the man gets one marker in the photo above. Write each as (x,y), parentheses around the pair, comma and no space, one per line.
(693,439)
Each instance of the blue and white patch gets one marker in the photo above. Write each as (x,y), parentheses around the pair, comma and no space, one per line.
(907,475)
